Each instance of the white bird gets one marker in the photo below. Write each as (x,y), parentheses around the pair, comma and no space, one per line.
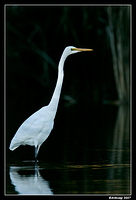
(36,129)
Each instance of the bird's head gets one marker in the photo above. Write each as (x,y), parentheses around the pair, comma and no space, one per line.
(71,50)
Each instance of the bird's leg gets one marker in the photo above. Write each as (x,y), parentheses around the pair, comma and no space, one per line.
(38,147)
(35,153)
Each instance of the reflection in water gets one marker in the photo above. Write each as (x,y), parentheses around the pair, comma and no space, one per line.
(120,136)
(120,144)
(103,168)
(29,184)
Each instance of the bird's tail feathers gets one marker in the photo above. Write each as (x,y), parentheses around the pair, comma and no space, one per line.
(13,145)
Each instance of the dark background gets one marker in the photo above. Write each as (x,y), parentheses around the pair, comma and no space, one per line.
(35,39)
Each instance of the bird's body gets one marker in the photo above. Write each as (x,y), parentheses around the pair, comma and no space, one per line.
(36,129)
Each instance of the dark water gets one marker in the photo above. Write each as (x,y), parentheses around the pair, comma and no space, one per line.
(90,156)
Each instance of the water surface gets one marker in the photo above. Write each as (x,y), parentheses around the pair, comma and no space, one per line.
(93,159)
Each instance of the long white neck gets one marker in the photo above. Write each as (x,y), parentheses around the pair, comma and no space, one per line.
(53,105)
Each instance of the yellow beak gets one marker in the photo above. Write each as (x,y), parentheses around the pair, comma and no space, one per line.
(80,49)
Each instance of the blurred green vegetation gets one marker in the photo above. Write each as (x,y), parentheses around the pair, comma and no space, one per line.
(35,39)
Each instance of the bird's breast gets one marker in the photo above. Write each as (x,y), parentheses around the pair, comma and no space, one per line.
(45,132)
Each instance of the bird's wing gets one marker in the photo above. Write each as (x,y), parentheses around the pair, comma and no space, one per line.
(30,128)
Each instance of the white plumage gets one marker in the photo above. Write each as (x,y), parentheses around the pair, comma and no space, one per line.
(36,129)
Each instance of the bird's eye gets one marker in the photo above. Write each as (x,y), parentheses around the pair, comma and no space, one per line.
(72,49)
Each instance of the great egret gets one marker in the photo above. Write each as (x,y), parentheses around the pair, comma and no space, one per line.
(35,130)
